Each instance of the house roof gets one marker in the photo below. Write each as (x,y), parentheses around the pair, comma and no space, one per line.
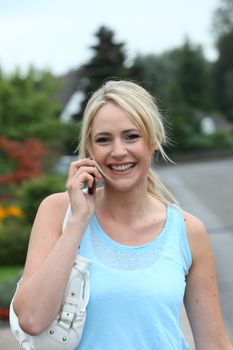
(69,83)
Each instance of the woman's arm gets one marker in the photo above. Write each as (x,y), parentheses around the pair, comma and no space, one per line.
(52,252)
(48,265)
(201,296)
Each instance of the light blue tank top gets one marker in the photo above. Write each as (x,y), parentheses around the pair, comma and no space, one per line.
(136,291)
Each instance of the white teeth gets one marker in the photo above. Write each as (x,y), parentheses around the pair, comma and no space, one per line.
(122,167)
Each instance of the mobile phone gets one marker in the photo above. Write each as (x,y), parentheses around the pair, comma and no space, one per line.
(91,189)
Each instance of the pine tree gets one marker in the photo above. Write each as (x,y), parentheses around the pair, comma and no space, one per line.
(223,28)
(108,62)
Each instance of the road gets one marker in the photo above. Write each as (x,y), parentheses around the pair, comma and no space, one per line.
(206,190)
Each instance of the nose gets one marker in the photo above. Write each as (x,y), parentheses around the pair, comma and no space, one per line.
(118,149)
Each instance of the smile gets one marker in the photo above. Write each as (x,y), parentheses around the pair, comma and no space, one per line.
(123,167)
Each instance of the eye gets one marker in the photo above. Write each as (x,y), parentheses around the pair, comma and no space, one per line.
(102,140)
(132,137)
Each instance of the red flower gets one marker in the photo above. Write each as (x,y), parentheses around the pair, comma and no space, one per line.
(4,312)
(27,156)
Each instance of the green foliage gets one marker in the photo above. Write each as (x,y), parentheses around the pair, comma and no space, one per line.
(224,75)
(192,77)
(108,61)
(14,236)
(9,164)
(223,19)
(32,192)
(220,140)
(9,271)
(7,288)
(155,73)
(27,109)
(180,134)
(181,79)
(70,138)
(223,67)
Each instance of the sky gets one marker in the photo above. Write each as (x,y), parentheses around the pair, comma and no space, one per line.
(57,34)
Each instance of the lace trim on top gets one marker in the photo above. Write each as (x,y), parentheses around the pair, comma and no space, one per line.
(122,257)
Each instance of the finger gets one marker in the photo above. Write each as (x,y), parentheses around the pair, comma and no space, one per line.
(91,170)
(90,162)
(74,166)
(83,161)
(78,182)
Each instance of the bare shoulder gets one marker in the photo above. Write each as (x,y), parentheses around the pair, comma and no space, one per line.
(193,224)
(56,201)
(197,235)
(46,230)
(51,213)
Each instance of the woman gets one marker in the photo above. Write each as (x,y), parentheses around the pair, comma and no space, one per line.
(148,256)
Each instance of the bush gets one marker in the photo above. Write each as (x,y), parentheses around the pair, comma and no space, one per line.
(32,192)
(179,132)
(222,139)
(7,289)
(219,140)
(14,237)
(70,138)
(7,271)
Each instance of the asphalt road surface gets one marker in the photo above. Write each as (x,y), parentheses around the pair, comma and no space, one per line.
(205,189)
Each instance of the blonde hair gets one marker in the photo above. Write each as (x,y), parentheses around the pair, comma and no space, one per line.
(142,109)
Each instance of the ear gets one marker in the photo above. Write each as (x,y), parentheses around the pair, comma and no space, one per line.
(156,146)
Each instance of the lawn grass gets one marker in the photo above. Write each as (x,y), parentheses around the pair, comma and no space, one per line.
(8,271)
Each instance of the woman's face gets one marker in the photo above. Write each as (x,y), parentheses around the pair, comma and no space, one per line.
(119,149)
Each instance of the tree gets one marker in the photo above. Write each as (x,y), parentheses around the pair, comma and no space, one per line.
(179,78)
(107,62)
(21,161)
(192,76)
(224,75)
(223,27)
(29,109)
(26,108)
(153,72)
(223,19)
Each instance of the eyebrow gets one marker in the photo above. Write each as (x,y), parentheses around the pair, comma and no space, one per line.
(105,133)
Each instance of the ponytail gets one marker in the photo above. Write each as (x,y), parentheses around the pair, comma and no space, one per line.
(158,190)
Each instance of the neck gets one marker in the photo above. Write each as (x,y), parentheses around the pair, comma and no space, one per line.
(125,206)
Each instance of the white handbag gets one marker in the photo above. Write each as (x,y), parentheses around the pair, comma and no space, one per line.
(65,332)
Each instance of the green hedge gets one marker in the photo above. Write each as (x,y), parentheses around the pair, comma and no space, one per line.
(32,192)
(219,140)
(15,232)
(14,237)
(7,289)
(8,271)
